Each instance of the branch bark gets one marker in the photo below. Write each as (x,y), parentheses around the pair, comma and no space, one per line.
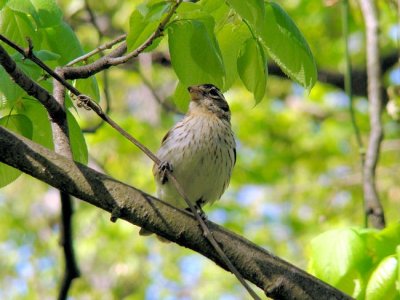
(62,146)
(372,205)
(277,278)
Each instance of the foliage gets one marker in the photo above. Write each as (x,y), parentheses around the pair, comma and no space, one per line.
(297,172)
(362,262)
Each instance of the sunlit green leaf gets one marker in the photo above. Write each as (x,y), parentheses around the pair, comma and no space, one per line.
(382,283)
(78,143)
(68,47)
(23,6)
(19,124)
(181,97)
(199,61)
(49,13)
(231,38)
(35,111)
(336,253)
(17,26)
(251,10)
(144,21)
(252,68)
(286,45)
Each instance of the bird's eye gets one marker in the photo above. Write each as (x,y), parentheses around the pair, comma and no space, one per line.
(214,92)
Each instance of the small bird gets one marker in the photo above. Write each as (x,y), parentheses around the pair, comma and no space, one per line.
(200,150)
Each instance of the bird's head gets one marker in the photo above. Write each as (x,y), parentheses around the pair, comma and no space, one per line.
(208,98)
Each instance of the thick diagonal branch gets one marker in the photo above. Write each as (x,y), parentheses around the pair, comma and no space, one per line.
(373,208)
(277,278)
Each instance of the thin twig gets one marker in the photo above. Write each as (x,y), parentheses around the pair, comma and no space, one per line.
(100,48)
(86,102)
(106,86)
(348,79)
(373,207)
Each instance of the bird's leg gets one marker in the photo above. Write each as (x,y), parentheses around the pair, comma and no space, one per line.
(164,168)
(199,209)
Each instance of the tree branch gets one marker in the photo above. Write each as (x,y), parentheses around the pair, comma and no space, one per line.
(62,146)
(54,109)
(115,58)
(87,103)
(277,278)
(372,205)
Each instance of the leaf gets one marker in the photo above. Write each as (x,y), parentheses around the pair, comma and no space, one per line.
(385,241)
(286,45)
(382,283)
(181,97)
(68,47)
(252,11)
(23,6)
(334,254)
(231,38)
(8,88)
(40,121)
(252,68)
(46,55)
(22,125)
(16,26)
(78,143)
(49,14)
(144,21)
(88,86)
(195,55)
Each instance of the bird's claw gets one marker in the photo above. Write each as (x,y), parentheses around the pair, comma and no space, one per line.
(164,168)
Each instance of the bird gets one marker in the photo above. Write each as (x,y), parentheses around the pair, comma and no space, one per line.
(200,151)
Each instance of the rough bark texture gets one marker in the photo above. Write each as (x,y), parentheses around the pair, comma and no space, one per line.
(277,278)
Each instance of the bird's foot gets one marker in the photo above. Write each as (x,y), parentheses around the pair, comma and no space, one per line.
(199,209)
(164,168)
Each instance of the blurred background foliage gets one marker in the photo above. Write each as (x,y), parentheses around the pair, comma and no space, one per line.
(298,170)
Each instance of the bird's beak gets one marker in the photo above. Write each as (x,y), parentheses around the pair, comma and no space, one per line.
(195,92)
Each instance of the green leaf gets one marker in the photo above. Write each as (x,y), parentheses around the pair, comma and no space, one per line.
(385,241)
(17,26)
(23,6)
(190,10)
(195,55)
(49,13)
(68,47)
(22,125)
(286,45)
(181,97)
(8,88)
(89,86)
(382,283)
(252,11)
(46,55)
(336,253)
(231,38)
(40,121)
(144,21)
(78,143)
(252,68)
